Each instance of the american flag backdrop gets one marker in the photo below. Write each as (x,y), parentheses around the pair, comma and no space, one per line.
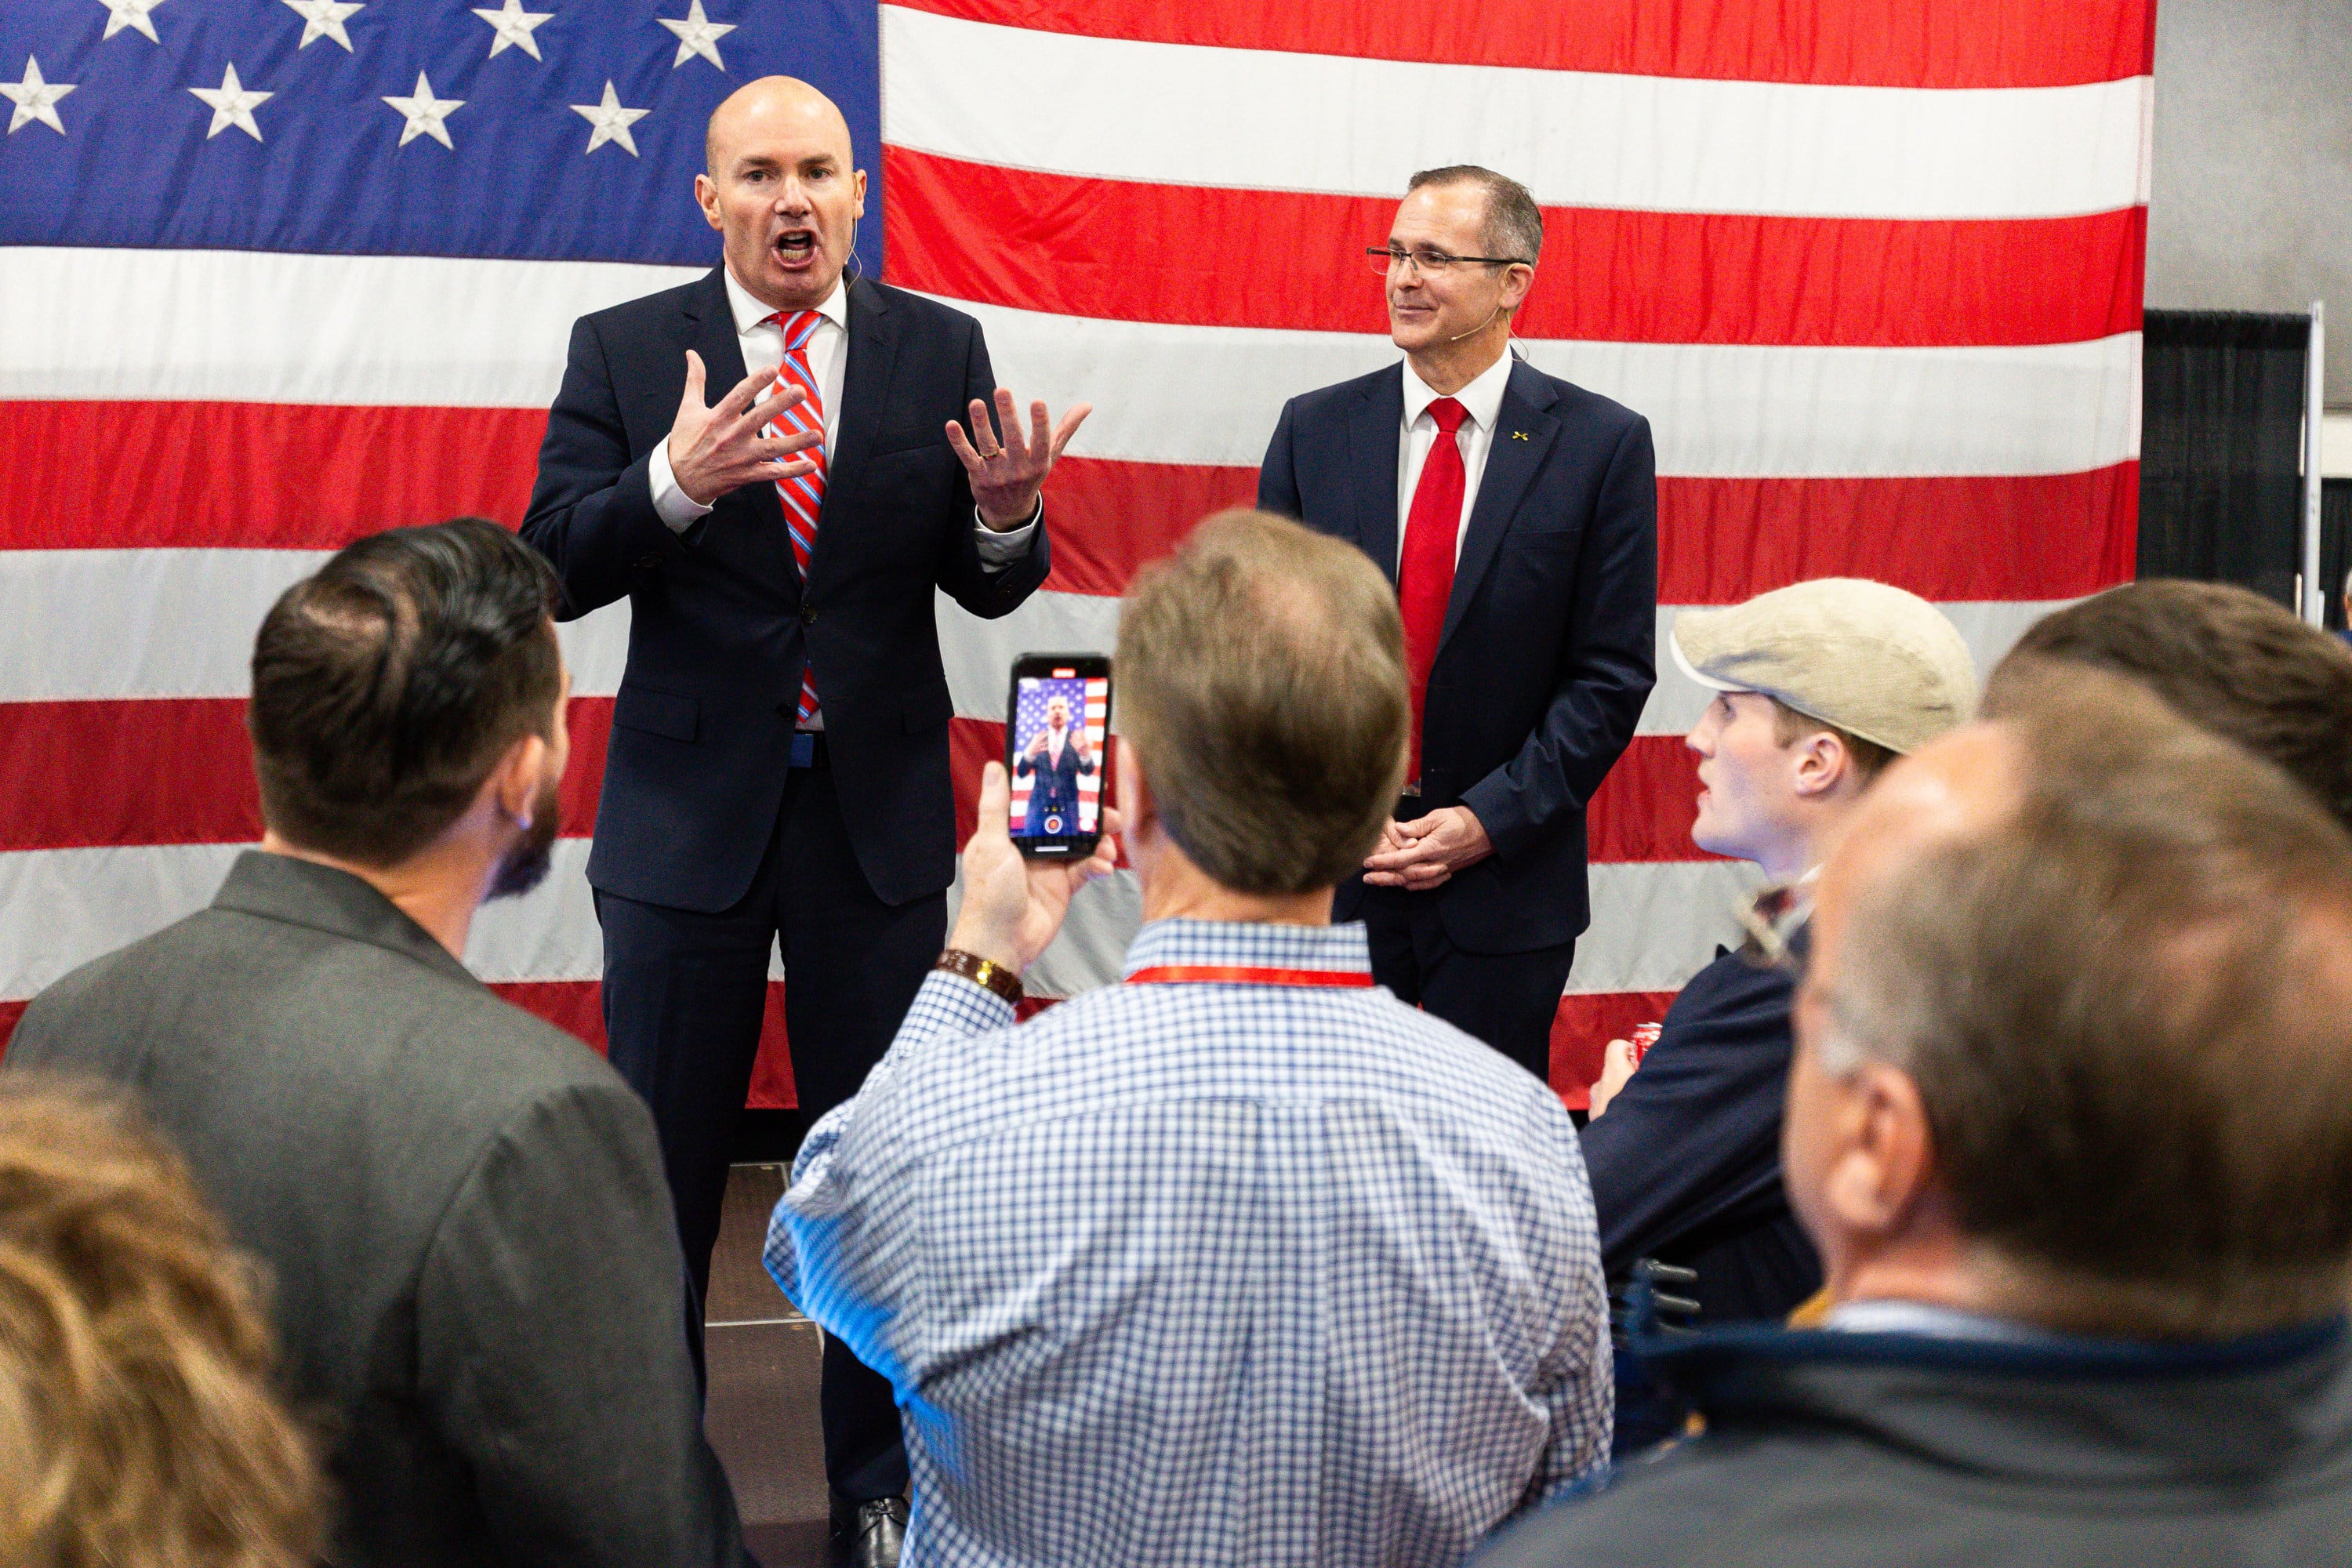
(275,273)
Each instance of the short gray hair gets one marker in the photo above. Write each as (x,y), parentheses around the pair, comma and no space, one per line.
(2127,1010)
(1513,222)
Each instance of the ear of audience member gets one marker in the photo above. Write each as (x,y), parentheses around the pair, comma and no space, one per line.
(2070,1124)
(2103,960)
(2227,659)
(137,1422)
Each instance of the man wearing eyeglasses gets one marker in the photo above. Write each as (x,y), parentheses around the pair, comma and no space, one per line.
(1517,515)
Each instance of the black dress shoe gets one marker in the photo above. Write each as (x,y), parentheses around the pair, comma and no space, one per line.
(869,1534)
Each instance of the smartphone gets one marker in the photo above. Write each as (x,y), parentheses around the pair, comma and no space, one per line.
(1058,750)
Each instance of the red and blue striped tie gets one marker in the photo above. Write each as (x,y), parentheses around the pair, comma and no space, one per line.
(803,498)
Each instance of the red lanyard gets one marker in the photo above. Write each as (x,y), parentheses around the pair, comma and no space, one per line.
(1241,975)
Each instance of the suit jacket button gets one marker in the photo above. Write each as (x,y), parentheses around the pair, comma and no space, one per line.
(647,563)
(808,614)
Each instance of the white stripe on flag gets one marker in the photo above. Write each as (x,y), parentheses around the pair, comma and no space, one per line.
(1263,120)
(1212,395)
(268,326)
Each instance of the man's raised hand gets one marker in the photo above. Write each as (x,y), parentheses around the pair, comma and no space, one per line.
(1008,474)
(1013,905)
(715,450)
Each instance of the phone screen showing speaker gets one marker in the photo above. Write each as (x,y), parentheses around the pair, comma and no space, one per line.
(1056,750)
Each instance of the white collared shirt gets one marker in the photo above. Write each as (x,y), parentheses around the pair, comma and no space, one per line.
(1482,404)
(762,342)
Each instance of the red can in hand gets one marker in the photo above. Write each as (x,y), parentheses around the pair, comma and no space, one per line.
(1643,1036)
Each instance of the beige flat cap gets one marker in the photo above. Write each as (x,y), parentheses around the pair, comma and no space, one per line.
(1870,659)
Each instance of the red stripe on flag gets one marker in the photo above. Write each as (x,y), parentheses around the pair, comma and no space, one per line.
(1582,1029)
(1645,808)
(2030,536)
(1861,43)
(1116,250)
(76,776)
(256,476)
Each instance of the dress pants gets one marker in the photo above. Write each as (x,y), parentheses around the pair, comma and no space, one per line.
(1506,999)
(684,996)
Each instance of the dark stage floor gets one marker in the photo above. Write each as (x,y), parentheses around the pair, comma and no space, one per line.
(763,1357)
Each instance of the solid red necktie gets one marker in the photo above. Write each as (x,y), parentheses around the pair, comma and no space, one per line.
(1425,571)
(803,498)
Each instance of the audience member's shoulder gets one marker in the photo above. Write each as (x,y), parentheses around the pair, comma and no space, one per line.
(1456,1067)
(1759,1504)
(86,992)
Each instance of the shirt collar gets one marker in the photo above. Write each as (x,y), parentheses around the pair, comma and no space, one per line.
(1481,399)
(749,310)
(1341,949)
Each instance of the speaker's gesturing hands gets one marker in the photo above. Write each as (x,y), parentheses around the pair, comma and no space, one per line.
(715,450)
(1008,473)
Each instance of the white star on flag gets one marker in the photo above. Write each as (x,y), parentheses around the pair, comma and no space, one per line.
(37,99)
(232,104)
(122,14)
(698,35)
(323,19)
(425,113)
(514,25)
(611,120)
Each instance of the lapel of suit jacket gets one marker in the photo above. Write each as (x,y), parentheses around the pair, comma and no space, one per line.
(864,387)
(1511,465)
(712,330)
(1375,430)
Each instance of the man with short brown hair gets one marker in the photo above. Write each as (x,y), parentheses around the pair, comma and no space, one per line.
(1241,1261)
(2224,658)
(2071,1123)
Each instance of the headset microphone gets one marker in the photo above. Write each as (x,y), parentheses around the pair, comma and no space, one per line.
(1481,326)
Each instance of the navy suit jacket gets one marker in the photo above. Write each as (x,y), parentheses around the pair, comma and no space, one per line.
(1550,640)
(1056,788)
(1685,1163)
(720,622)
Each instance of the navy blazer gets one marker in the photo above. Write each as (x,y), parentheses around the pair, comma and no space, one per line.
(1548,648)
(1685,1163)
(702,729)
(1056,788)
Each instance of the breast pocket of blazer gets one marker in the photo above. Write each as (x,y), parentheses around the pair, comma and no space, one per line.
(661,714)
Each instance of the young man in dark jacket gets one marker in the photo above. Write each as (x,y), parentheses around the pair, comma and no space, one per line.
(1818,687)
(2071,1125)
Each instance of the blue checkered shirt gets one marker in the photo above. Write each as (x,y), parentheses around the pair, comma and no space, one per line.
(1209,1273)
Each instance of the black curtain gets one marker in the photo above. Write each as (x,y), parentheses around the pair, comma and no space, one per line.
(2221,485)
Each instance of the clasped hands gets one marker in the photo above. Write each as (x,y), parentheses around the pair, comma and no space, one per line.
(714,450)
(1425,852)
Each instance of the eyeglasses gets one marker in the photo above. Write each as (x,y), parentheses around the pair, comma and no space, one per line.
(1387,259)
(1771,922)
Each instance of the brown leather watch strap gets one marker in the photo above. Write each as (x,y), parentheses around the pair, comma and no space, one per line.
(982,972)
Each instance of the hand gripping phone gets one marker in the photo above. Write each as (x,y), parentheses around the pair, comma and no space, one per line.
(1057,751)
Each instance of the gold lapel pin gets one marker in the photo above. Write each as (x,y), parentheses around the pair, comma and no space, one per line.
(1518,435)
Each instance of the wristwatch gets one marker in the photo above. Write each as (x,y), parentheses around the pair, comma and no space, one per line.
(981,971)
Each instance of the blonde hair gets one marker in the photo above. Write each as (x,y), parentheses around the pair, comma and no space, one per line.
(137,1425)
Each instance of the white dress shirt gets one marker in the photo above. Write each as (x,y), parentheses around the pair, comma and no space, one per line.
(762,342)
(1482,404)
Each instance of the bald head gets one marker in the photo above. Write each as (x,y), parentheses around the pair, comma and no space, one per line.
(771,104)
(780,184)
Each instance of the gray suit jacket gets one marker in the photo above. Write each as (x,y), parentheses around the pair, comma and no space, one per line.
(477,1280)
